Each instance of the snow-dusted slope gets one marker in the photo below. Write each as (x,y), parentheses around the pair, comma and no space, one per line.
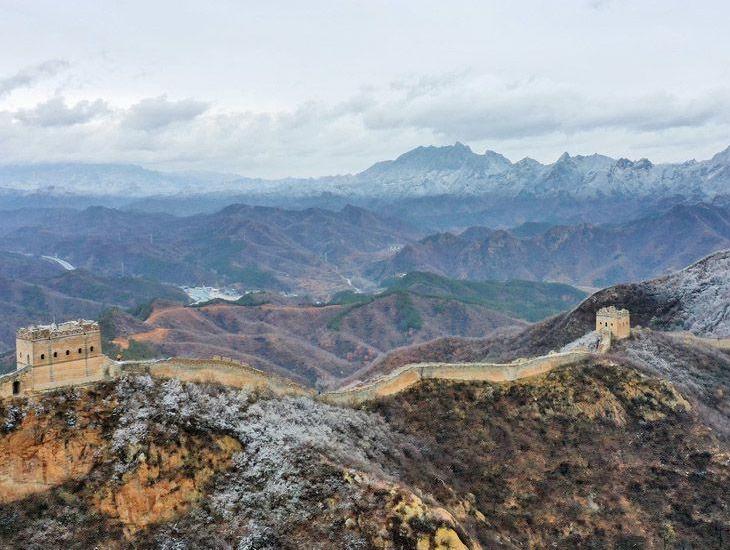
(424,171)
(458,170)
(700,295)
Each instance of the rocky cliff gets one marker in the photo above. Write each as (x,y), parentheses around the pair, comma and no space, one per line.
(595,454)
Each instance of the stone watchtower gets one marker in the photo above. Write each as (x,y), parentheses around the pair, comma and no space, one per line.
(614,321)
(52,356)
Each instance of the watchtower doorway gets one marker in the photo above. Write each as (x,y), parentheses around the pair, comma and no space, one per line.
(16,387)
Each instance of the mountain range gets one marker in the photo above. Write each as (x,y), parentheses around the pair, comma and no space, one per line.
(311,250)
(583,254)
(423,171)
(318,252)
(432,188)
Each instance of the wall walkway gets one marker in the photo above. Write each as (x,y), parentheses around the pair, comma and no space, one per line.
(222,371)
(408,375)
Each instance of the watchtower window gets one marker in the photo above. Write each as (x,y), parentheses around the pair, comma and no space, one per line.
(80,350)
(55,354)
(43,356)
(16,387)
(91,348)
(68,352)
(27,358)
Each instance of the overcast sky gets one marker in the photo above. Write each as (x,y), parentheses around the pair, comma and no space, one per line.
(278,88)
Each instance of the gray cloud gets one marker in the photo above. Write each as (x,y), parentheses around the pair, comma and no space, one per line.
(30,75)
(55,112)
(157,112)
(489,109)
(517,117)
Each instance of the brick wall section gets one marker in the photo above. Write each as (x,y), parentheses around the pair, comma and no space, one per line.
(409,375)
(221,371)
(719,343)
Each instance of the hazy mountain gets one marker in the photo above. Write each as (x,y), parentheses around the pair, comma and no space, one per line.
(107,179)
(592,255)
(457,170)
(319,251)
(35,290)
(422,172)
(311,250)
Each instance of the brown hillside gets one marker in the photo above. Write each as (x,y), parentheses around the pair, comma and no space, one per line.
(312,344)
(592,456)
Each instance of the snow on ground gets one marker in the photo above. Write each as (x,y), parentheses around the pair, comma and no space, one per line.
(199,294)
(63,263)
(702,292)
(588,342)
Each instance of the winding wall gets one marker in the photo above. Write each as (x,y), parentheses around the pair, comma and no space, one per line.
(408,375)
(238,375)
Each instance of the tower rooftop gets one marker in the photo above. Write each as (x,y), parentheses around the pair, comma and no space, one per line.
(68,328)
(613,311)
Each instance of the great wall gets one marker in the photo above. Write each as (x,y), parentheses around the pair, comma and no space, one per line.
(38,371)
(409,375)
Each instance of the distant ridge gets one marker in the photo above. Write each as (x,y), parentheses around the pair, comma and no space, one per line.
(423,171)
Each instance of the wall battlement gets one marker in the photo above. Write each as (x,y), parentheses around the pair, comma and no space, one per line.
(44,368)
(46,332)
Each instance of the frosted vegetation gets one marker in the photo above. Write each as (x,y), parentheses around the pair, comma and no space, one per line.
(290,448)
(588,342)
(699,371)
(701,293)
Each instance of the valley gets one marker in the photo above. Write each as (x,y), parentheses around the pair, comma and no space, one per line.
(323,344)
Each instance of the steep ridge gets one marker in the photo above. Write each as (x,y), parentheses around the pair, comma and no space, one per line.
(592,454)
(694,299)
(149,463)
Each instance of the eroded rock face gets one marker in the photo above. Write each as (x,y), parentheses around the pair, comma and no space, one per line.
(166,481)
(38,456)
(150,463)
